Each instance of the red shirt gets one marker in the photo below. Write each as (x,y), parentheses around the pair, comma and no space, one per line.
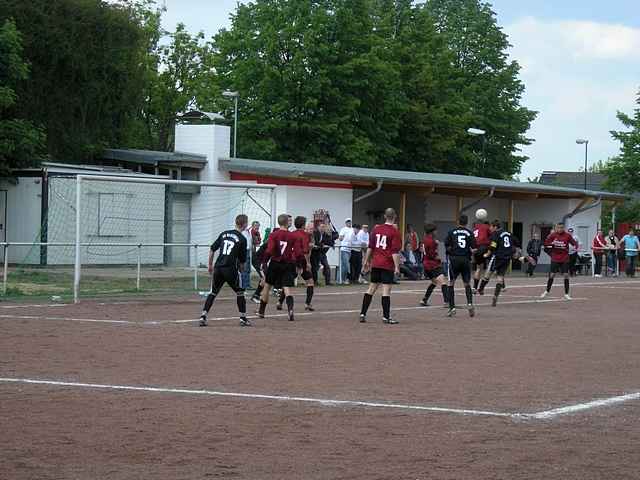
(482,233)
(599,244)
(430,259)
(413,238)
(303,240)
(384,241)
(282,246)
(559,244)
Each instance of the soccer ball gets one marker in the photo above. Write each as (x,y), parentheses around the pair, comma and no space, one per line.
(481,214)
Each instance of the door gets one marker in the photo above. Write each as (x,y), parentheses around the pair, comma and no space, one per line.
(179,228)
(3,221)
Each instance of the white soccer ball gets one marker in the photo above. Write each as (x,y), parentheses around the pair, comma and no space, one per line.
(481,214)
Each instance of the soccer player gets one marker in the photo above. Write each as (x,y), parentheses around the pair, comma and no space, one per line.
(482,234)
(460,245)
(231,259)
(303,262)
(383,259)
(432,265)
(281,253)
(501,250)
(557,246)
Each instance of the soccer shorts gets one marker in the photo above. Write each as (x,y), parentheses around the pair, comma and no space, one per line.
(281,274)
(559,267)
(434,273)
(382,275)
(499,265)
(459,266)
(479,260)
(228,275)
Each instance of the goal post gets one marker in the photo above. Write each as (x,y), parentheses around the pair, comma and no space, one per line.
(137,221)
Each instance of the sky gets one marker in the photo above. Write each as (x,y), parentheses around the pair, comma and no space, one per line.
(580,64)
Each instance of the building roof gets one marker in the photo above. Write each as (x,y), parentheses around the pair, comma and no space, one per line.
(67,169)
(151,157)
(595,181)
(446,184)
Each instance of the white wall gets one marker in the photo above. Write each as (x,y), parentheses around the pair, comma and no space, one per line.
(23,216)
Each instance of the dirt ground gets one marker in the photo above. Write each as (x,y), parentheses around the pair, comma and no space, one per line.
(522,357)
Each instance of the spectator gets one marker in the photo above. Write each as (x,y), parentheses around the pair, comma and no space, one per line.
(355,261)
(323,240)
(599,247)
(612,253)
(363,238)
(346,238)
(256,241)
(412,237)
(631,247)
(573,253)
(409,267)
(534,247)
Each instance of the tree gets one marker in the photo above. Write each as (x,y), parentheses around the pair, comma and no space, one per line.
(21,142)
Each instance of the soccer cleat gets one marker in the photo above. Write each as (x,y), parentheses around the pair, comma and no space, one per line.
(425,303)
(245,322)
(309,308)
(259,315)
(278,306)
(451,312)
(472,310)
(567,296)
(494,301)
(389,321)
(363,318)
(291,319)
(203,320)
(255,300)
(544,294)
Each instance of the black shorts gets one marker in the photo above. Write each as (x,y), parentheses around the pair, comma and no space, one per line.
(479,260)
(228,275)
(499,265)
(460,266)
(433,274)
(305,273)
(559,267)
(281,274)
(382,275)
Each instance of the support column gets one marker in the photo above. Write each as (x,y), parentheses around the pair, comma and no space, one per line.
(402,215)
(459,206)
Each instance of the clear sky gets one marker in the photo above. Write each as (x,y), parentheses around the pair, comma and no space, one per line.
(580,59)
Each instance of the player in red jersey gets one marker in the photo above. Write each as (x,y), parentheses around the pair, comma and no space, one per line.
(557,246)
(482,234)
(383,259)
(282,253)
(432,265)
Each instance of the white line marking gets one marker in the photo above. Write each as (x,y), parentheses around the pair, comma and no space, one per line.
(580,407)
(65,319)
(287,398)
(35,306)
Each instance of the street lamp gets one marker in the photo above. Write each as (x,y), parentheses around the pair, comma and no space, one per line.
(477,132)
(235,96)
(582,141)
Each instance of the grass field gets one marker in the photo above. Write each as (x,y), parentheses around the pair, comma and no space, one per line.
(130,387)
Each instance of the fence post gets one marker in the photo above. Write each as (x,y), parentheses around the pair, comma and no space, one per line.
(139,266)
(76,270)
(195,267)
(6,269)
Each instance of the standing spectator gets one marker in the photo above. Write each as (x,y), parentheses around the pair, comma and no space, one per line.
(612,253)
(412,237)
(534,247)
(599,247)
(573,253)
(363,238)
(256,241)
(322,242)
(346,237)
(631,247)
(355,261)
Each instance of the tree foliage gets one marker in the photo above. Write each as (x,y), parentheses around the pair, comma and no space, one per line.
(21,142)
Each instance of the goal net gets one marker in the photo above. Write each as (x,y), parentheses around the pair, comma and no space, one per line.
(110,235)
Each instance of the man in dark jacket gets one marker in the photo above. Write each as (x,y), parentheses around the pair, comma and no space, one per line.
(323,240)
(534,247)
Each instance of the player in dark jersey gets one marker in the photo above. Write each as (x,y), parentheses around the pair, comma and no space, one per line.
(501,250)
(432,265)
(460,245)
(482,234)
(556,245)
(230,262)
(383,259)
(281,254)
(303,263)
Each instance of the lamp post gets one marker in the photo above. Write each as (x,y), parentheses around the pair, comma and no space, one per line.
(582,141)
(235,96)
(477,132)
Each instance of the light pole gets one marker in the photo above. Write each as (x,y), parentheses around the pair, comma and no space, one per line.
(477,132)
(235,96)
(582,141)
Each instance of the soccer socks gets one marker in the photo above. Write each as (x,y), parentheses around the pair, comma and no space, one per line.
(469,293)
(366,301)
(445,293)
(208,303)
(475,283)
(483,284)
(289,300)
(429,291)
(258,291)
(549,284)
(242,305)
(281,297)
(386,307)
(309,295)
(498,288)
(263,307)
(452,297)
(566,286)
